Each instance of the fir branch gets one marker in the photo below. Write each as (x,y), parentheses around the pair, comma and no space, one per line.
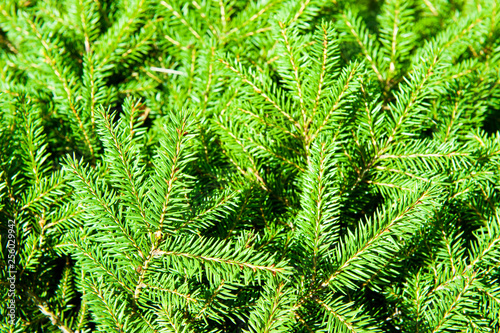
(396,224)
(340,318)
(103,201)
(45,310)
(356,27)
(182,20)
(244,78)
(111,317)
(293,78)
(316,224)
(119,150)
(277,316)
(71,100)
(347,85)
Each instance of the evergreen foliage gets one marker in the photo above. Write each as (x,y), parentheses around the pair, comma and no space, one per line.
(250,166)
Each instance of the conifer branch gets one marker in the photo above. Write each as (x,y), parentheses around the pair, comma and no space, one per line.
(268,123)
(90,187)
(105,266)
(259,91)
(293,62)
(324,58)
(71,100)
(339,313)
(182,20)
(122,153)
(219,260)
(360,33)
(268,5)
(391,226)
(346,87)
(44,309)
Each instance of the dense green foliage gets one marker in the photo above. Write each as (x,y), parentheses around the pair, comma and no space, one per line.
(263,166)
